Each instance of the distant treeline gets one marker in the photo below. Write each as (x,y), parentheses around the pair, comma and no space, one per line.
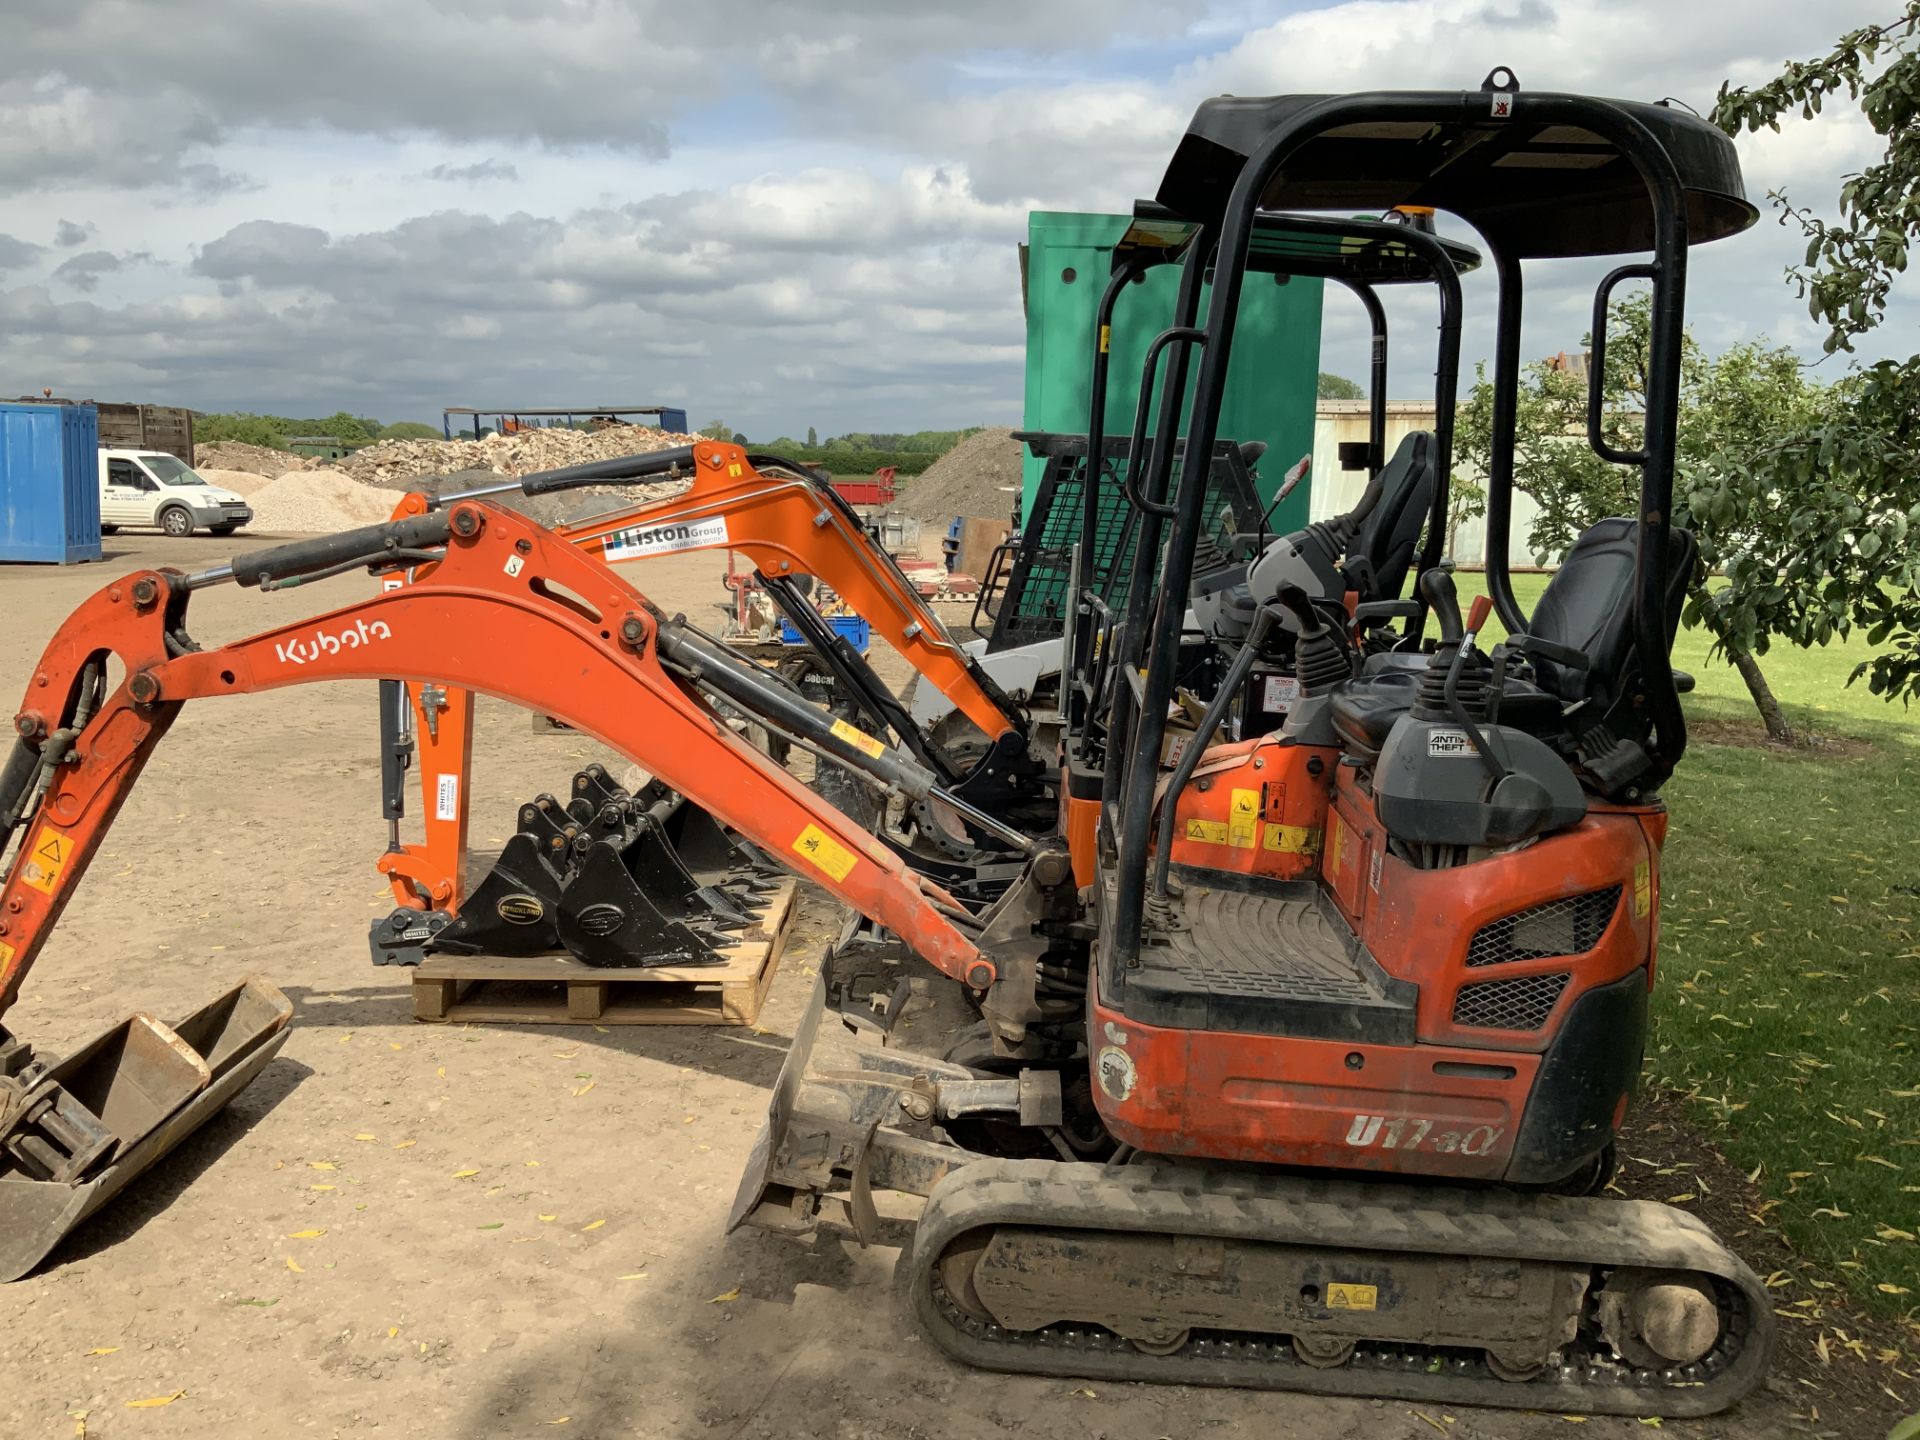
(274,431)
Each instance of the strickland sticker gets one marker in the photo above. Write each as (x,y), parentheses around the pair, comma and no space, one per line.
(665,539)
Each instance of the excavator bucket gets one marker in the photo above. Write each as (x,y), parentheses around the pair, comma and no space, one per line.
(625,879)
(75,1132)
(659,883)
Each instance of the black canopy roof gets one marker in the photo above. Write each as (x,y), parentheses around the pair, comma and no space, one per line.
(1535,183)
(1373,252)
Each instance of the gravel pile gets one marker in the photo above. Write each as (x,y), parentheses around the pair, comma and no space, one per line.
(317,501)
(402,461)
(234,455)
(241,482)
(978,477)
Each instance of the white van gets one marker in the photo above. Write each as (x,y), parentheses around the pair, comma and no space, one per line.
(151,487)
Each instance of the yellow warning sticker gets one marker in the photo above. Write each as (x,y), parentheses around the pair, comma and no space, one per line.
(6,954)
(1207,832)
(48,859)
(1292,839)
(1243,818)
(1352,1297)
(857,738)
(822,850)
(734,471)
(1642,889)
(1106,338)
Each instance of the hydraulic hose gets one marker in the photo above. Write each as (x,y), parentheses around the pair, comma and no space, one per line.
(16,780)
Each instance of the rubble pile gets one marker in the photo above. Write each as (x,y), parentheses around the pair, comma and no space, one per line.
(238,455)
(978,477)
(395,463)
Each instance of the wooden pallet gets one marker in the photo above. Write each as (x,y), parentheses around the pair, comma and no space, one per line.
(560,990)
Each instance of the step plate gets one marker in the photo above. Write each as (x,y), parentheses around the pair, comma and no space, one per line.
(1263,959)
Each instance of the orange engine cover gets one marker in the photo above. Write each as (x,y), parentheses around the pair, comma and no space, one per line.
(1258,807)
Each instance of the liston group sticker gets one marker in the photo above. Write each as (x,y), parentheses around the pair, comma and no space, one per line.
(639,540)
(48,859)
(821,850)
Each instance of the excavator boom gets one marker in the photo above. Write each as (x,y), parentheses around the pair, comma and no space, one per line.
(787,526)
(498,606)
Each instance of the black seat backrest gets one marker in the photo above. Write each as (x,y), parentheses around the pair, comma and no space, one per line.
(1588,606)
(1386,539)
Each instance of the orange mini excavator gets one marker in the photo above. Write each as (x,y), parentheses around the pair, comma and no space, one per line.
(583,850)
(1313,1083)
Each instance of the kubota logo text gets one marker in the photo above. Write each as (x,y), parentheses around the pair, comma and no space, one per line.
(361,632)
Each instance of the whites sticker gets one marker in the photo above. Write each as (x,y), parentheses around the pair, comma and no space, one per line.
(1281,691)
(446,797)
(665,539)
(1449,744)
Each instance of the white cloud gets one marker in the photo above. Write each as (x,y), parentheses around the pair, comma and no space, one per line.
(791,214)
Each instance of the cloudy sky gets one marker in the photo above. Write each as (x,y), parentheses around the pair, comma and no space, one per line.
(783,212)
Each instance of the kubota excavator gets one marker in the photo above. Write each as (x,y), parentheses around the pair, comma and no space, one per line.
(1312,1084)
(790,526)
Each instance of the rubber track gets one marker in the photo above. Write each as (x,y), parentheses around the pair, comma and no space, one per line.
(1142,1199)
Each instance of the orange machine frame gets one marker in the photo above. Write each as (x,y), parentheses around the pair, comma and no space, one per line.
(508,611)
(785,525)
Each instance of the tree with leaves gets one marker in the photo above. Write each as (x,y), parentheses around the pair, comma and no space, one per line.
(813,438)
(1752,397)
(1855,472)
(1339,387)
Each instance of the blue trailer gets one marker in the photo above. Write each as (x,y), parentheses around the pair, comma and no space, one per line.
(49,483)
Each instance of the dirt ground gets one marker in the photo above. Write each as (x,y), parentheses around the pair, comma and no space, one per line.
(497,1247)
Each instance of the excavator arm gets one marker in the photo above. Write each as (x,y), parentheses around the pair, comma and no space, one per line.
(787,526)
(497,605)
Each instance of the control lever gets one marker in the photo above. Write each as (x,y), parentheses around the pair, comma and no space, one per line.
(1450,619)
(1287,483)
(1436,588)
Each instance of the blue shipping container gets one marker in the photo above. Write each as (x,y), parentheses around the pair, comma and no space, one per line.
(49,483)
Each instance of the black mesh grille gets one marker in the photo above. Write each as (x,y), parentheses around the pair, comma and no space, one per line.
(1039,582)
(1522,1003)
(1571,926)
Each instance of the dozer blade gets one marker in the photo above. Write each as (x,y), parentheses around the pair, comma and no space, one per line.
(146,1086)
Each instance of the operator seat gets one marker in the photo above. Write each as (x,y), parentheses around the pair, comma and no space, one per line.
(1382,548)
(1374,561)
(1587,608)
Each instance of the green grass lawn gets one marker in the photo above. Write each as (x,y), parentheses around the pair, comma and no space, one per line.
(1788,1002)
